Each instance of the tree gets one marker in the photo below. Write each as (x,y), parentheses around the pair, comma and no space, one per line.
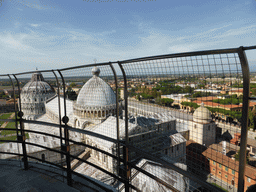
(252,119)
(73,84)
(71,94)
(238,155)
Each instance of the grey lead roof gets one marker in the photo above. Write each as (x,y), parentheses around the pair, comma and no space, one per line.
(96,92)
(37,84)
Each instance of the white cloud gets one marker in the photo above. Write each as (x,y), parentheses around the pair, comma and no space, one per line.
(34,25)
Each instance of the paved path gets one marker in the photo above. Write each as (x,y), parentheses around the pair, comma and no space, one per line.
(5,123)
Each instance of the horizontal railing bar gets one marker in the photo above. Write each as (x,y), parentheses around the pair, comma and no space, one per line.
(29,72)
(186,54)
(86,65)
(86,132)
(90,180)
(3,152)
(65,153)
(249,47)
(98,167)
(71,170)
(75,142)
(10,141)
(75,173)
(9,120)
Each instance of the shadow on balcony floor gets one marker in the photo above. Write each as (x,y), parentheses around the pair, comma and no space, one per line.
(39,177)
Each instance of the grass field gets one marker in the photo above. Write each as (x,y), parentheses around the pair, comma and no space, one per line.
(8,132)
(10,125)
(5,115)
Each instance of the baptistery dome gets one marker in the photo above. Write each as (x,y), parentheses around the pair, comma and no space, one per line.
(202,115)
(33,96)
(96,98)
(37,85)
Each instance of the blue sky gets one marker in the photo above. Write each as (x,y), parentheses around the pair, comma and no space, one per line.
(51,34)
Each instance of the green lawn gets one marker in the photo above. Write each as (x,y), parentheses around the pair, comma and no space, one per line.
(5,115)
(219,187)
(10,125)
(8,132)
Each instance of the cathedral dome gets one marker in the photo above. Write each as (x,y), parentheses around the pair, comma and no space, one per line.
(202,115)
(96,92)
(37,85)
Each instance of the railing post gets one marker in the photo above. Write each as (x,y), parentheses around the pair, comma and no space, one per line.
(126,149)
(15,109)
(22,136)
(244,122)
(66,147)
(60,131)
(117,119)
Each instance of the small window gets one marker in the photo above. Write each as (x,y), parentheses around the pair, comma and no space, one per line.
(220,166)
(233,172)
(209,127)
(41,99)
(35,99)
(226,176)
(249,179)
(195,126)
(213,162)
(43,157)
(226,168)
(220,172)
(213,169)
(177,147)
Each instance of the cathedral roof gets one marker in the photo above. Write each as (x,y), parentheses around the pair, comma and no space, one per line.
(202,114)
(37,84)
(96,92)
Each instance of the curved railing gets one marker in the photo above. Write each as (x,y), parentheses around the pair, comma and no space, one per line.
(120,151)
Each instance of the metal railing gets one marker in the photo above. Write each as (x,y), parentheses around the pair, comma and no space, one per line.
(134,145)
